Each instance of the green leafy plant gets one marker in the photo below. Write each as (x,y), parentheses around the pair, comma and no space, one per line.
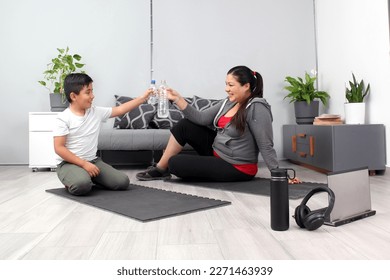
(304,90)
(357,91)
(59,67)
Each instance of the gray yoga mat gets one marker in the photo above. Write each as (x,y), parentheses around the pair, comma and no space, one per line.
(143,203)
(260,186)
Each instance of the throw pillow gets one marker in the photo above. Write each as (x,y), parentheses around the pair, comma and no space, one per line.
(138,118)
(175,115)
(202,104)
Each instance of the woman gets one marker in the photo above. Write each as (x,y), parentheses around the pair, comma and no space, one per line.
(241,128)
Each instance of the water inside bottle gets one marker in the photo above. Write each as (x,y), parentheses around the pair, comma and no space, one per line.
(153,97)
(163,104)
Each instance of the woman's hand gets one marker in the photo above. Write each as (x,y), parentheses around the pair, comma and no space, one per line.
(176,98)
(295,180)
(173,95)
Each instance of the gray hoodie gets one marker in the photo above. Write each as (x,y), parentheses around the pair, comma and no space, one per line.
(233,146)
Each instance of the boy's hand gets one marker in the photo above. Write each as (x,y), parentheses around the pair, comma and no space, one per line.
(147,93)
(91,168)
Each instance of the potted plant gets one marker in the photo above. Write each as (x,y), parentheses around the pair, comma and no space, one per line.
(59,67)
(355,109)
(304,94)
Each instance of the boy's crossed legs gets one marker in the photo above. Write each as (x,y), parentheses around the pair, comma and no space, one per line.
(79,182)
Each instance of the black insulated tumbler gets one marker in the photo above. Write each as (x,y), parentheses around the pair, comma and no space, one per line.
(279,199)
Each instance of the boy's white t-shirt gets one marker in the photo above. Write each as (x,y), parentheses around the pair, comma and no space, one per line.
(81,131)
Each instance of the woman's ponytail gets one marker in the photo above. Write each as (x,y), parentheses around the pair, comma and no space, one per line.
(244,75)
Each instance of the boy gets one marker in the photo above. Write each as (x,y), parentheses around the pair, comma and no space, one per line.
(76,137)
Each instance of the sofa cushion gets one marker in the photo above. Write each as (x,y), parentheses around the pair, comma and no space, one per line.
(138,118)
(133,139)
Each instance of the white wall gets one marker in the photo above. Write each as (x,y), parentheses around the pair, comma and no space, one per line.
(353,36)
(111,36)
(196,43)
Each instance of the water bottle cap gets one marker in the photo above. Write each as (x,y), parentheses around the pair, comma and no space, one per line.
(278,172)
(153,81)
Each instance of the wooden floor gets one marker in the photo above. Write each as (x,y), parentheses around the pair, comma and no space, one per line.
(38,225)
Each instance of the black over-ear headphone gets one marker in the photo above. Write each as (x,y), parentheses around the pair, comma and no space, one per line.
(305,218)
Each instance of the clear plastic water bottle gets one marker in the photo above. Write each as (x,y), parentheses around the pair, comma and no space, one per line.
(153,97)
(163,104)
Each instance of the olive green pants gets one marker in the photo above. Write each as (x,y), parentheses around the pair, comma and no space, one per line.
(78,182)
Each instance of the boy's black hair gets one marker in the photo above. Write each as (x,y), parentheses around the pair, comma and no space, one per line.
(74,83)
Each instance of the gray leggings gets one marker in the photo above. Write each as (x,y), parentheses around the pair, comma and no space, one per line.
(78,182)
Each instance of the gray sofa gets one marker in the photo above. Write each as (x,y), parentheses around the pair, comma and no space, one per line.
(132,146)
(140,136)
(133,139)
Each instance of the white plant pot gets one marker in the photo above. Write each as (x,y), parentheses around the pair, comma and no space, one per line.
(355,113)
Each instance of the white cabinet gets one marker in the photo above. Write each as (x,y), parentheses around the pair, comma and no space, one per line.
(41,147)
